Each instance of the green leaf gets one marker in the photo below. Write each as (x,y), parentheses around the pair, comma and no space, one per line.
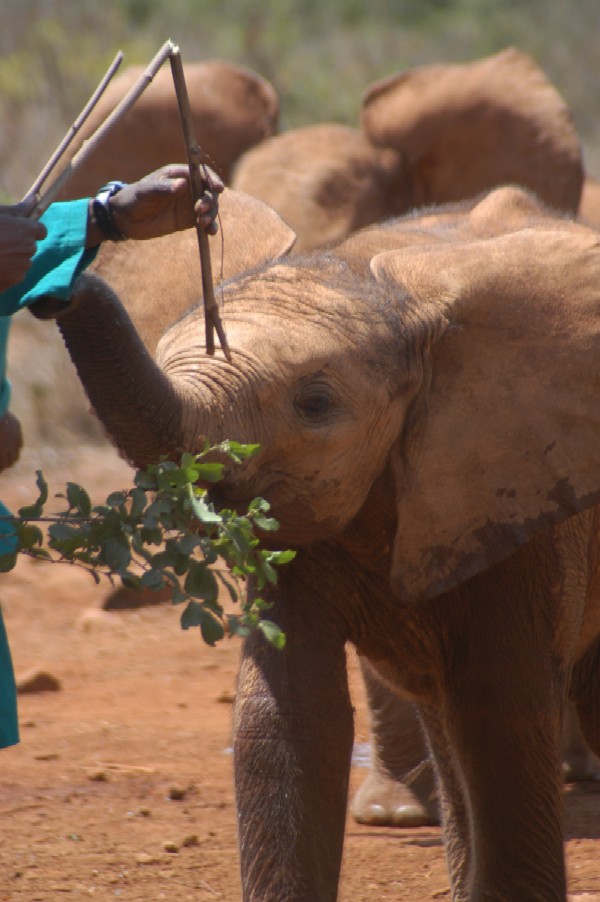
(131,581)
(34,511)
(200,582)
(236,627)
(115,552)
(139,500)
(212,472)
(152,536)
(146,480)
(116,499)
(266,573)
(62,532)
(191,615)
(267,524)
(233,593)
(272,633)
(203,511)
(152,579)
(212,629)
(78,499)
(237,451)
(8,562)
(281,557)
(29,536)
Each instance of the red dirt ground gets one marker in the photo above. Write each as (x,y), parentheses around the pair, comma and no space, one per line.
(121,787)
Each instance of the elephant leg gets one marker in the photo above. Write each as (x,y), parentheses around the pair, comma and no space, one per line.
(579,762)
(293,735)
(399,789)
(501,711)
(586,693)
(452,806)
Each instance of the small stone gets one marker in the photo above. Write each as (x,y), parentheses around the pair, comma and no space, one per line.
(226,697)
(144,812)
(96,618)
(98,776)
(177,793)
(144,858)
(37,680)
(170,846)
(191,840)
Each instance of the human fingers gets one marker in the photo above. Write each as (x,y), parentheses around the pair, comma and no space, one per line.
(206,210)
(11,440)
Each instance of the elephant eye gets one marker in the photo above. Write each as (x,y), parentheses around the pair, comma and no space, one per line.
(314,403)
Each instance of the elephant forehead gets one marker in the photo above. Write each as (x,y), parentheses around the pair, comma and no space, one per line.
(322,298)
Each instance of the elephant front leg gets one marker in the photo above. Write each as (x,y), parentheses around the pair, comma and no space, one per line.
(293,734)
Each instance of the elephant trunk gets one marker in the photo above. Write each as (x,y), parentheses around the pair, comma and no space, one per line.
(141,409)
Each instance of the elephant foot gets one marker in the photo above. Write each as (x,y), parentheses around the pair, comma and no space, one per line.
(382,801)
(581,768)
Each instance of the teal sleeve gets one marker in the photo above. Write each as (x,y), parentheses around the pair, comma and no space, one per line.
(4,383)
(9,724)
(59,258)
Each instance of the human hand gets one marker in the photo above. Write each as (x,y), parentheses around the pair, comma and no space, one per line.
(18,237)
(11,440)
(161,203)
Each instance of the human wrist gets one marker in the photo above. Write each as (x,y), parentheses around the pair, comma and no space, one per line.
(105,220)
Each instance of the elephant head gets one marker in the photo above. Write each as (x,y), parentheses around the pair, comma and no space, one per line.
(456,353)
(231,107)
(464,128)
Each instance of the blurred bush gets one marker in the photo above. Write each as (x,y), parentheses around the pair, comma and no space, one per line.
(319,55)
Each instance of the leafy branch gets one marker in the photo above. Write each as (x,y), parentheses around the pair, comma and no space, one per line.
(164,532)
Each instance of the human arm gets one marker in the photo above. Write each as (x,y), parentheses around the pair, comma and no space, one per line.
(159,204)
(156,205)
(11,438)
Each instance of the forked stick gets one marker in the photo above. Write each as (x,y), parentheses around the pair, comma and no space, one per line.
(212,319)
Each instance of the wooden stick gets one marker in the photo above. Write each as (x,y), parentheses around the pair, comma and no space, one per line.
(76,126)
(212,320)
(130,98)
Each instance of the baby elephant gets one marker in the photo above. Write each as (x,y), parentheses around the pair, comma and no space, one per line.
(425,397)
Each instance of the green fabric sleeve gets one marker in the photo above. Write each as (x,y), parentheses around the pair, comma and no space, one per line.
(59,258)
(4,383)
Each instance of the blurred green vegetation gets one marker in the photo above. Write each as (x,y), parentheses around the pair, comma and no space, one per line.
(319,54)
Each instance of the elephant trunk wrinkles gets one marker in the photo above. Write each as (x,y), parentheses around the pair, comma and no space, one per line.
(140,408)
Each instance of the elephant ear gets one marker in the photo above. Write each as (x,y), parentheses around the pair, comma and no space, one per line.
(465,128)
(159,280)
(507,438)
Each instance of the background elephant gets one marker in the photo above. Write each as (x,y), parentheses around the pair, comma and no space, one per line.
(232,109)
(466,127)
(457,130)
(325,181)
(589,207)
(375,377)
